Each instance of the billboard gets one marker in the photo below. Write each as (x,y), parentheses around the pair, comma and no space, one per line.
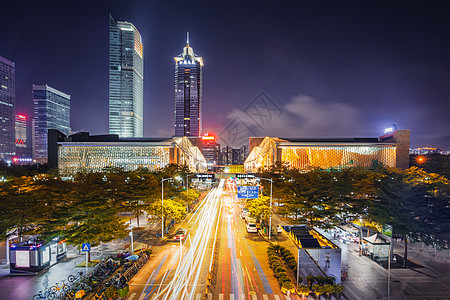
(248,192)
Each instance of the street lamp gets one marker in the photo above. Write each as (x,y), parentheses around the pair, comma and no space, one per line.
(360,235)
(162,205)
(187,180)
(270,216)
(187,186)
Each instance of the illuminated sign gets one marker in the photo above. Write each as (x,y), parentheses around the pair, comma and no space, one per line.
(245,176)
(22,117)
(20,142)
(208,138)
(390,128)
(204,175)
(248,192)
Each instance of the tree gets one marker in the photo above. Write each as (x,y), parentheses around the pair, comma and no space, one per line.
(259,208)
(414,203)
(172,210)
(93,211)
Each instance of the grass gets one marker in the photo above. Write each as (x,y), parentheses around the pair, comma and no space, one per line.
(92,263)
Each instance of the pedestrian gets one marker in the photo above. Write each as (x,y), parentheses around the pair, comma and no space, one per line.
(327,265)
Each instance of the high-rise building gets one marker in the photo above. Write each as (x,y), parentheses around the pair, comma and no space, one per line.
(210,149)
(21,131)
(7,108)
(188,93)
(51,111)
(126,80)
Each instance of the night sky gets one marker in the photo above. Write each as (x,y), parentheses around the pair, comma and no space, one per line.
(327,69)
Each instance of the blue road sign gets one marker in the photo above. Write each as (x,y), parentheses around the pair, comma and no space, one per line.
(86,247)
(248,192)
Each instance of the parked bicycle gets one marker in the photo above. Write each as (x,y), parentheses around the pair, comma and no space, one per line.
(47,294)
(59,288)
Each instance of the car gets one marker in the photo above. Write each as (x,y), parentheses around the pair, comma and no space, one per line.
(251,227)
(180,235)
(279,229)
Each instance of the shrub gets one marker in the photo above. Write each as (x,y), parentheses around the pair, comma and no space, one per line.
(287,285)
(276,264)
(310,279)
(320,279)
(276,247)
(278,269)
(330,280)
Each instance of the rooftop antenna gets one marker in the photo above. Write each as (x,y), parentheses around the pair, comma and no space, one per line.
(187,38)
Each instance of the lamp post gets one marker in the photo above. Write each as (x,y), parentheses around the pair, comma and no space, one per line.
(360,235)
(270,216)
(162,205)
(187,186)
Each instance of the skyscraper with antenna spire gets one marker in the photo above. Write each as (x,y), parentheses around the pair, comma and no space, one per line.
(188,92)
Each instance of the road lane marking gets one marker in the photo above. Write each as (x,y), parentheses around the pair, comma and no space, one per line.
(240,252)
(231,296)
(260,272)
(276,297)
(265,297)
(221,297)
(242,297)
(198,297)
(254,297)
(131,296)
(209,296)
(142,296)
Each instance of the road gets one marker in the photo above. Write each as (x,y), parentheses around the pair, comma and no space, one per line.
(239,267)
(181,269)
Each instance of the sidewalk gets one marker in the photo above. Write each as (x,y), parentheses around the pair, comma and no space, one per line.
(368,280)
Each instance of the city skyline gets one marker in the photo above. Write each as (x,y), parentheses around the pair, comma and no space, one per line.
(348,76)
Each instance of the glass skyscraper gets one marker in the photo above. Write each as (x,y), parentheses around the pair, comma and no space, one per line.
(188,93)
(51,111)
(7,108)
(126,80)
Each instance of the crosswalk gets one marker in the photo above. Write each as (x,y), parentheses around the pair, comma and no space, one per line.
(200,296)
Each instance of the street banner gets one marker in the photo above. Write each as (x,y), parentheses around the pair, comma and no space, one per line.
(248,192)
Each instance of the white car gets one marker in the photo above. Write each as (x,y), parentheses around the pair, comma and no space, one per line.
(279,229)
(251,227)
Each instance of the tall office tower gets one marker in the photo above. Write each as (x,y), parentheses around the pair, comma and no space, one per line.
(21,134)
(7,108)
(51,111)
(126,80)
(188,93)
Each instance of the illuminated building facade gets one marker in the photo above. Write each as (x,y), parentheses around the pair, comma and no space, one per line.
(23,150)
(84,153)
(7,108)
(210,149)
(307,154)
(188,93)
(51,111)
(126,80)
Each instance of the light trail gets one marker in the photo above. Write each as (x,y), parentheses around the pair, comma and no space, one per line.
(186,277)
